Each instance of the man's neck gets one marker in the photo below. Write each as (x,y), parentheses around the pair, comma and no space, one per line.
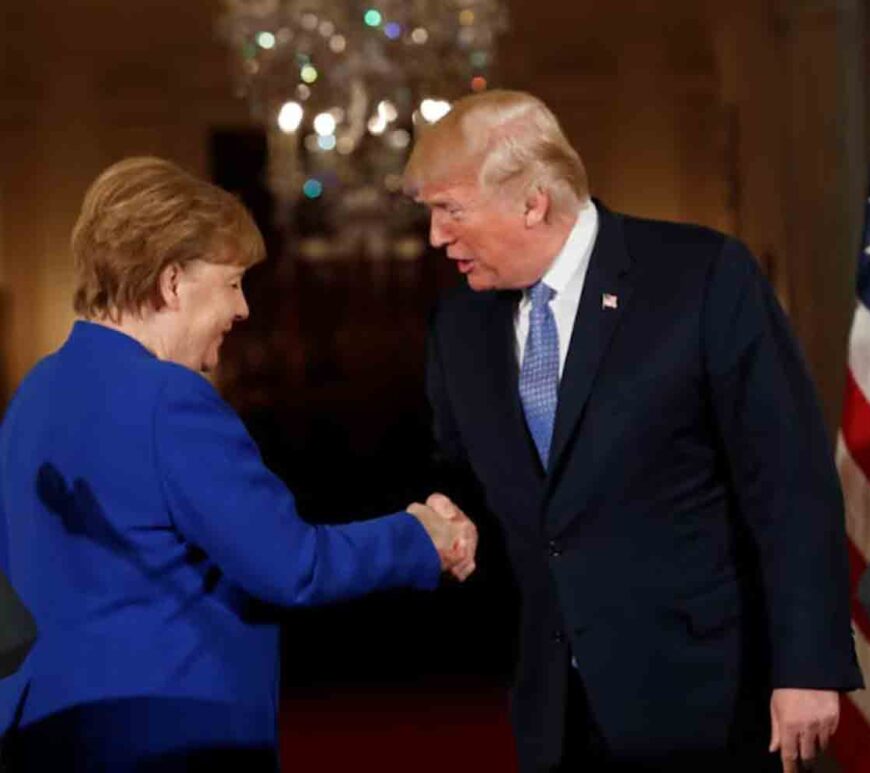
(558,230)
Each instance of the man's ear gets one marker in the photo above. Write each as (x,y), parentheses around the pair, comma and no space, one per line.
(537,206)
(170,279)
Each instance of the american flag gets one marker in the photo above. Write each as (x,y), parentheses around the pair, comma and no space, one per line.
(851,744)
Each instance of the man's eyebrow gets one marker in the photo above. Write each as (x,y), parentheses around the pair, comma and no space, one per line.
(442,201)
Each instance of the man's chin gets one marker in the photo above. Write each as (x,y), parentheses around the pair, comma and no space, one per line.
(479,283)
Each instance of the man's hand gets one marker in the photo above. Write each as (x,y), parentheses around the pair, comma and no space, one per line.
(452,533)
(802,723)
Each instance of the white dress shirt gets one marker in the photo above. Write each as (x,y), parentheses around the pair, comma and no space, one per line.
(566,276)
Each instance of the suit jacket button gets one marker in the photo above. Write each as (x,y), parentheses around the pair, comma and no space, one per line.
(559,637)
(555,552)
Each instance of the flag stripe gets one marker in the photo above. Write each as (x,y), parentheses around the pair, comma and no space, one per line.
(856,492)
(857,567)
(856,425)
(859,348)
(851,743)
(861,698)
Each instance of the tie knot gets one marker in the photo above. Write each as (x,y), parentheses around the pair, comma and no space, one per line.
(540,294)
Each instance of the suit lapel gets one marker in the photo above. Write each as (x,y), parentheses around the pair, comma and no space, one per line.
(606,284)
(499,347)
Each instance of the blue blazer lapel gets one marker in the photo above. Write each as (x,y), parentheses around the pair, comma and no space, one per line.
(606,292)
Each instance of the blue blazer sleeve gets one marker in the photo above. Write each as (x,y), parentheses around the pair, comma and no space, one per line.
(781,467)
(224,500)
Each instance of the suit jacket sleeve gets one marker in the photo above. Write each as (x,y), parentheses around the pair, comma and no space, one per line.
(450,470)
(448,443)
(224,500)
(782,473)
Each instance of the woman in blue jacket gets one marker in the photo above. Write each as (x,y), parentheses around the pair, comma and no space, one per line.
(137,520)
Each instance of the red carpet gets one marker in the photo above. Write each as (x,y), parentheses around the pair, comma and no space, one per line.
(397,731)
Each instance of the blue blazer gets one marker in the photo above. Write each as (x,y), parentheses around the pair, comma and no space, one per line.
(141,528)
(686,545)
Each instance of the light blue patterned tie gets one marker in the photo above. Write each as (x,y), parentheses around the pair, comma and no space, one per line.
(539,374)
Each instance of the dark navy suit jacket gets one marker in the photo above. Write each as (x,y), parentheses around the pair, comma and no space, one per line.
(687,544)
(141,528)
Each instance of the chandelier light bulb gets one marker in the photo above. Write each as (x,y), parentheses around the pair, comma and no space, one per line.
(308,73)
(373,18)
(326,142)
(312,188)
(337,44)
(290,116)
(265,40)
(434,110)
(399,139)
(377,124)
(324,124)
(420,36)
(387,111)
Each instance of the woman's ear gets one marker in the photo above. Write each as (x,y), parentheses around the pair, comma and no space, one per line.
(170,280)
(537,206)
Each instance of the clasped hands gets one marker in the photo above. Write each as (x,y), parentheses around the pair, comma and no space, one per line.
(451,531)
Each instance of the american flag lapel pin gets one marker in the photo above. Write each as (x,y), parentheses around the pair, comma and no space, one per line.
(609,301)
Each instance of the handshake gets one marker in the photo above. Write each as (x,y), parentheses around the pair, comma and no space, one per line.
(452,533)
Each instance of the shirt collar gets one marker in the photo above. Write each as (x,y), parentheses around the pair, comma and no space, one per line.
(569,266)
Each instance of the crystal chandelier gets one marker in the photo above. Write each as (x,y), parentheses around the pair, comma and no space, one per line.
(340,85)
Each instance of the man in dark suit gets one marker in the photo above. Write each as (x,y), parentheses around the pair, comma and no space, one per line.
(628,398)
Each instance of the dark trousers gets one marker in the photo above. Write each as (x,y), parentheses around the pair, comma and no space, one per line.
(585,749)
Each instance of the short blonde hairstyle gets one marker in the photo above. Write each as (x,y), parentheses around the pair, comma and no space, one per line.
(499,138)
(143,214)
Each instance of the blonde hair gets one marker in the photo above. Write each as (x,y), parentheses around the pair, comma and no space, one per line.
(499,138)
(143,214)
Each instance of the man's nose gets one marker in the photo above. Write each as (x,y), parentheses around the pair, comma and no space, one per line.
(438,235)
(242,310)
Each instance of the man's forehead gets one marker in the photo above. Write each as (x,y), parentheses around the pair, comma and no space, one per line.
(447,190)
